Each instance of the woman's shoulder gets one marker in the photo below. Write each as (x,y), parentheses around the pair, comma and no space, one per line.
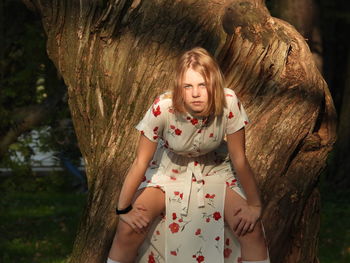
(230,96)
(164,100)
(166,96)
(229,93)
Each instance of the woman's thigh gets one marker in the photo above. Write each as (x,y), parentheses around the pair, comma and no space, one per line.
(153,199)
(233,201)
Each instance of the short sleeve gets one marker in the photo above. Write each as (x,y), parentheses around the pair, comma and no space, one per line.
(236,116)
(153,123)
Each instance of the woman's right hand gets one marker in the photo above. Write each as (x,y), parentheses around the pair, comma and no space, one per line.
(136,218)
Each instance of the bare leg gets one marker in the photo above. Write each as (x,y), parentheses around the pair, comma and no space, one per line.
(253,245)
(126,241)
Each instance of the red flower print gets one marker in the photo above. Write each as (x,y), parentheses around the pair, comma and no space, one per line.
(175,171)
(207,220)
(211,135)
(239,260)
(198,232)
(227,242)
(199,131)
(180,220)
(195,163)
(245,122)
(217,238)
(171,110)
(227,252)
(174,216)
(217,216)
(173,178)
(155,137)
(200,259)
(155,129)
(144,178)
(178,131)
(230,115)
(210,196)
(172,127)
(156,101)
(181,195)
(157,232)
(156,111)
(233,182)
(176,193)
(173,253)
(188,118)
(194,179)
(174,227)
(194,121)
(151,258)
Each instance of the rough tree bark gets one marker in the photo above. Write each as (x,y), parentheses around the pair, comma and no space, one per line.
(116,56)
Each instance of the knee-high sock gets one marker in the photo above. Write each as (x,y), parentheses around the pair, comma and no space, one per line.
(112,261)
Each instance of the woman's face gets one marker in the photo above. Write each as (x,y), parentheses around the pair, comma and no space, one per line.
(194,92)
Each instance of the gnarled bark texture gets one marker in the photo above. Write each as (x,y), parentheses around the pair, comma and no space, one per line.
(116,56)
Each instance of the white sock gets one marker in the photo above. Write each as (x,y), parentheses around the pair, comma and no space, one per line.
(260,261)
(112,261)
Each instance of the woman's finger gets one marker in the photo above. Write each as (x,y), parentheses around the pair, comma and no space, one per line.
(134,227)
(246,228)
(240,227)
(138,224)
(235,224)
(140,207)
(142,222)
(252,227)
(236,211)
(142,216)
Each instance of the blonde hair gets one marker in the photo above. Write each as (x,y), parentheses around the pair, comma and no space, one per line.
(201,61)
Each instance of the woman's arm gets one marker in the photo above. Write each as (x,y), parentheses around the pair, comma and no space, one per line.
(144,154)
(250,213)
(236,147)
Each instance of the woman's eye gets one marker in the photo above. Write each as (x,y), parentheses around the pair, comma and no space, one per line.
(202,85)
(187,86)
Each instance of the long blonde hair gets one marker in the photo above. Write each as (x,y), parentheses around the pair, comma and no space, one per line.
(201,61)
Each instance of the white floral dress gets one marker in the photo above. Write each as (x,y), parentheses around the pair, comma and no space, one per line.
(191,165)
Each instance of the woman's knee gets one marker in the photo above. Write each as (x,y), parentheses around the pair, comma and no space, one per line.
(126,236)
(256,235)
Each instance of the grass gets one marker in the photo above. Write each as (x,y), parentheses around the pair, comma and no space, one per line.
(334,238)
(40,226)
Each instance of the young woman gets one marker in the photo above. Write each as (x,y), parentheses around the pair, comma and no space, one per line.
(186,169)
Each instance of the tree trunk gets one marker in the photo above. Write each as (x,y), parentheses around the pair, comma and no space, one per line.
(116,57)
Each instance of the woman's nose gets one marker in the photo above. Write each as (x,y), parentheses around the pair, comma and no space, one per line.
(195,91)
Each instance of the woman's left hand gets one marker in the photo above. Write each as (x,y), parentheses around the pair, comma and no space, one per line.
(247,215)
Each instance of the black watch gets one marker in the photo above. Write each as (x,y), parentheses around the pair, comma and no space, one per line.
(123,211)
